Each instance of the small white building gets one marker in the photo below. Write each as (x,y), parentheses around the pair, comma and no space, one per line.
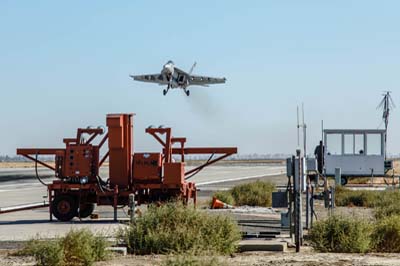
(357,152)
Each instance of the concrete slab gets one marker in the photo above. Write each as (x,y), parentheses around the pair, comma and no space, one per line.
(262,245)
(24,225)
(120,250)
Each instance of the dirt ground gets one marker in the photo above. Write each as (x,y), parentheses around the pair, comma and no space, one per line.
(306,258)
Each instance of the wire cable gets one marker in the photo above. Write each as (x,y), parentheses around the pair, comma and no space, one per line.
(201,168)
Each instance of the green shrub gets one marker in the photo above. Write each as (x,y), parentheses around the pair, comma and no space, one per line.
(386,234)
(49,254)
(82,247)
(46,253)
(174,227)
(99,247)
(387,204)
(225,196)
(253,194)
(78,247)
(359,198)
(341,234)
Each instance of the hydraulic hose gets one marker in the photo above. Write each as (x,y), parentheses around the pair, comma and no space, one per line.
(36,171)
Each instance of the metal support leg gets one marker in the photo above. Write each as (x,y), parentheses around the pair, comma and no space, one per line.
(195,197)
(132,207)
(307,206)
(338,176)
(312,206)
(372,177)
(332,205)
(115,203)
(297,201)
(50,204)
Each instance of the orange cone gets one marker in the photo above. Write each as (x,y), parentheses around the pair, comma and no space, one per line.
(217,204)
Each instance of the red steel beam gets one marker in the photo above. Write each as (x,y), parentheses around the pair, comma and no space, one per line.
(206,164)
(28,152)
(104,158)
(39,151)
(39,162)
(103,141)
(205,150)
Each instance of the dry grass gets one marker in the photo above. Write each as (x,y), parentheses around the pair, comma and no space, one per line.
(21,164)
(386,234)
(344,234)
(359,198)
(76,248)
(256,193)
(175,228)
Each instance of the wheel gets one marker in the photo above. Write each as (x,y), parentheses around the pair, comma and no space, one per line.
(86,210)
(64,207)
(164,92)
(187,93)
(343,180)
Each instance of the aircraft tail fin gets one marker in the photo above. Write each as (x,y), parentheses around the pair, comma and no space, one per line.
(191,69)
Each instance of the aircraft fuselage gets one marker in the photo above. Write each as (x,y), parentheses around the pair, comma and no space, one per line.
(175,80)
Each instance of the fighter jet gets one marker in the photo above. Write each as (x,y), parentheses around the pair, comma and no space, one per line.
(174,78)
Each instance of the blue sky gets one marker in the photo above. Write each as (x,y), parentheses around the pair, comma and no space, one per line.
(66,65)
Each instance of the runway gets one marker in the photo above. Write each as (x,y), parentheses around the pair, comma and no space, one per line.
(26,189)
(26,224)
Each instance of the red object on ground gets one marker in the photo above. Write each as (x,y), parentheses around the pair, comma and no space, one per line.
(151,177)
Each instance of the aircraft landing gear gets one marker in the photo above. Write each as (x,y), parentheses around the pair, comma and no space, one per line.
(165,91)
(187,92)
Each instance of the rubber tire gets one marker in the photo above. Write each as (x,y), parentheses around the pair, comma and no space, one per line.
(70,204)
(188,93)
(343,180)
(86,210)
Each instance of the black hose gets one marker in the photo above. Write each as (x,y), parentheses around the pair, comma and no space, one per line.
(37,174)
(315,215)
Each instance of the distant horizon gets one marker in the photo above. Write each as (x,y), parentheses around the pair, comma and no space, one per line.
(18,158)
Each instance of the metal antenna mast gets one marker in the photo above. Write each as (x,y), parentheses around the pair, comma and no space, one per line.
(386,105)
(304,127)
(304,131)
(298,128)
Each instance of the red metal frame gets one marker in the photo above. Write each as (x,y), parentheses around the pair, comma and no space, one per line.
(168,150)
(120,136)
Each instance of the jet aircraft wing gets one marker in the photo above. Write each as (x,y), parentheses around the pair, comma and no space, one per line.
(204,81)
(152,78)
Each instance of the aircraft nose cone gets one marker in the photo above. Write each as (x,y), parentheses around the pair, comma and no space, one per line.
(168,68)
